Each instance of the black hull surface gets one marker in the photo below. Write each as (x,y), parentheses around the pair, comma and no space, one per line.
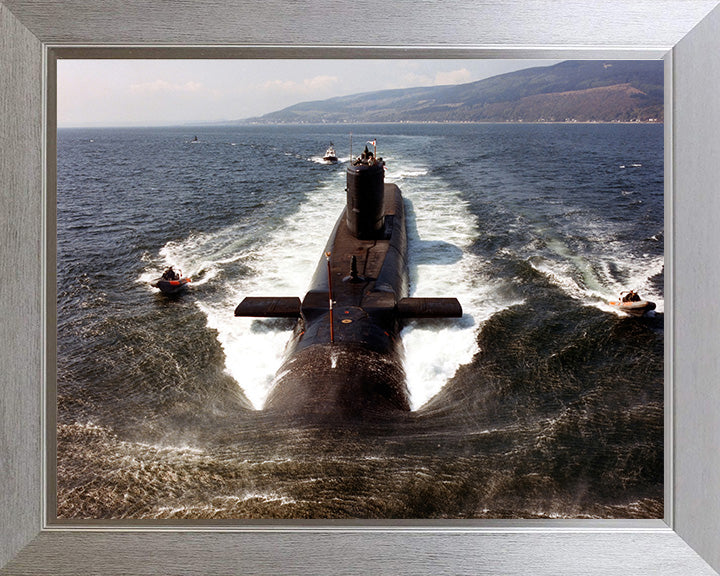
(360,371)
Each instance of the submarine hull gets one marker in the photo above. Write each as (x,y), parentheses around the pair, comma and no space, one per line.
(349,381)
(351,364)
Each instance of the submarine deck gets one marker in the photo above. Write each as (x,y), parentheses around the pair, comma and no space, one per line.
(371,256)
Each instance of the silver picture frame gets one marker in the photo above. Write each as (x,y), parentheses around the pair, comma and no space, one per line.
(683,32)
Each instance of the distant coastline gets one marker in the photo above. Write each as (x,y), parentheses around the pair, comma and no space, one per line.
(448,122)
(241,124)
(570,92)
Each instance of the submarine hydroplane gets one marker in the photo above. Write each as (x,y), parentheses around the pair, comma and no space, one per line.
(345,355)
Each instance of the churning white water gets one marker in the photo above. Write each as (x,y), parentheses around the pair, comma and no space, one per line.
(440,232)
(594,279)
(281,264)
(280,258)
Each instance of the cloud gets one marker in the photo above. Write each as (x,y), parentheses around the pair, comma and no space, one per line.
(164,87)
(308,86)
(411,79)
(453,77)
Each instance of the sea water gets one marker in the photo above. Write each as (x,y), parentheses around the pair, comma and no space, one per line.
(541,401)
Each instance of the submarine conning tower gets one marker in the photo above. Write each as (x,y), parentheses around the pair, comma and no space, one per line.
(365,196)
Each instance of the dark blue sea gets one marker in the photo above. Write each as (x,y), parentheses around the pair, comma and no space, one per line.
(541,402)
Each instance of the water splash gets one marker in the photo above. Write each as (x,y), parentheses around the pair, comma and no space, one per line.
(279,260)
(441,230)
(282,265)
(596,278)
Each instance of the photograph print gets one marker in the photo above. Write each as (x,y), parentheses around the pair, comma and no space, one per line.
(360,289)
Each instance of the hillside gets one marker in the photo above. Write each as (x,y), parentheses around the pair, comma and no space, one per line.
(582,91)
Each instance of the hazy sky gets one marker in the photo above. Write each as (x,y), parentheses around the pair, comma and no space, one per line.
(161,92)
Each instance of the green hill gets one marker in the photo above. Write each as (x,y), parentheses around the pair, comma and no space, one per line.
(582,91)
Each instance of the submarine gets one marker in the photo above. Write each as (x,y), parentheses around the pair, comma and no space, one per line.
(344,359)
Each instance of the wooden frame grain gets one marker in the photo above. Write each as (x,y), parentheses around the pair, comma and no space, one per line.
(33,34)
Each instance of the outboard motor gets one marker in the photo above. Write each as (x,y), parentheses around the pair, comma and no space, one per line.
(365,196)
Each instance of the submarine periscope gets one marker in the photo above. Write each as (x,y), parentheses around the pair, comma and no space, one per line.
(345,355)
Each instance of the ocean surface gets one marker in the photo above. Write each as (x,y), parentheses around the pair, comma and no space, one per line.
(541,402)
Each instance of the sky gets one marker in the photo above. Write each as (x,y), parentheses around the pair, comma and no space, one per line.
(177,92)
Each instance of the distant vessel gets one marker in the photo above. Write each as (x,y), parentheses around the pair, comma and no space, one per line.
(171,282)
(345,357)
(631,303)
(330,154)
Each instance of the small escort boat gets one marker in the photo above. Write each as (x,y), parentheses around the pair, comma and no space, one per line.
(330,154)
(631,303)
(171,282)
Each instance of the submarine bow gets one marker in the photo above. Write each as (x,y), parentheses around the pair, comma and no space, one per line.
(345,355)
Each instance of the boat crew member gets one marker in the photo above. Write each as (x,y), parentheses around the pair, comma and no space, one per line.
(631,296)
(170,274)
